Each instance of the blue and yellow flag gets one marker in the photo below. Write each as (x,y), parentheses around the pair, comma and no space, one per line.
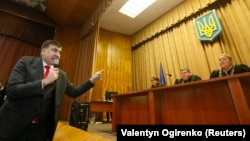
(162,76)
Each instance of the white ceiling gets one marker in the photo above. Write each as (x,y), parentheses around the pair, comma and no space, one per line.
(113,20)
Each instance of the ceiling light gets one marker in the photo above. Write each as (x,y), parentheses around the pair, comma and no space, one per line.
(132,8)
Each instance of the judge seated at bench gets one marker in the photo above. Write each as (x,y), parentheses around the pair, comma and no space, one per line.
(187,76)
(227,67)
(155,82)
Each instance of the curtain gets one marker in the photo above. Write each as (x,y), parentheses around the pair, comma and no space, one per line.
(176,45)
(11,50)
(19,37)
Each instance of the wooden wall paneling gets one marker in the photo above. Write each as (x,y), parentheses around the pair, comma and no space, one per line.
(69,38)
(113,54)
(71,13)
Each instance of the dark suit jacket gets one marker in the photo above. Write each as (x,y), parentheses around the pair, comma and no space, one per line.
(2,95)
(191,78)
(25,93)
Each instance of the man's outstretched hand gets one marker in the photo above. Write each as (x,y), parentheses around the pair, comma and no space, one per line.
(97,76)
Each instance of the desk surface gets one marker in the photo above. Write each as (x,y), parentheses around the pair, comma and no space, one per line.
(101,106)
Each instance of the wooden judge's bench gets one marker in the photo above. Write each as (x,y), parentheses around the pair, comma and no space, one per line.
(224,100)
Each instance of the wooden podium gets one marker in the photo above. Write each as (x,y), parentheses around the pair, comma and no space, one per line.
(224,100)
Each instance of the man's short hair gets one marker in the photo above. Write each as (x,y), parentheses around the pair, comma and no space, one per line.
(51,42)
(155,78)
(185,69)
(226,55)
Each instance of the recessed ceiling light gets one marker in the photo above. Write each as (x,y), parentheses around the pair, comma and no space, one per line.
(132,8)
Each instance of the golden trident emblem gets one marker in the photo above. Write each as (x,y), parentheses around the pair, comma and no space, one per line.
(208,26)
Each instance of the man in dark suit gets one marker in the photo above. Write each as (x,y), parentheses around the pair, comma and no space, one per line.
(31,110)
(187,76)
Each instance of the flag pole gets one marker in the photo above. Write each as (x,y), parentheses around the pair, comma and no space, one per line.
(162,76)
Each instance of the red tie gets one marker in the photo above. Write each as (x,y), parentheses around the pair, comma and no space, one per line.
(46,71)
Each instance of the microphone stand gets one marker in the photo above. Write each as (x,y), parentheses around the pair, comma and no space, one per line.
(169,75)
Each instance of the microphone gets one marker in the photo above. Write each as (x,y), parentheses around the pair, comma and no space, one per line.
(168,74)
(56,63)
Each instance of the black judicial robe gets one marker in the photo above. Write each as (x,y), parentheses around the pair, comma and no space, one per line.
(241,68)
(190,79)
